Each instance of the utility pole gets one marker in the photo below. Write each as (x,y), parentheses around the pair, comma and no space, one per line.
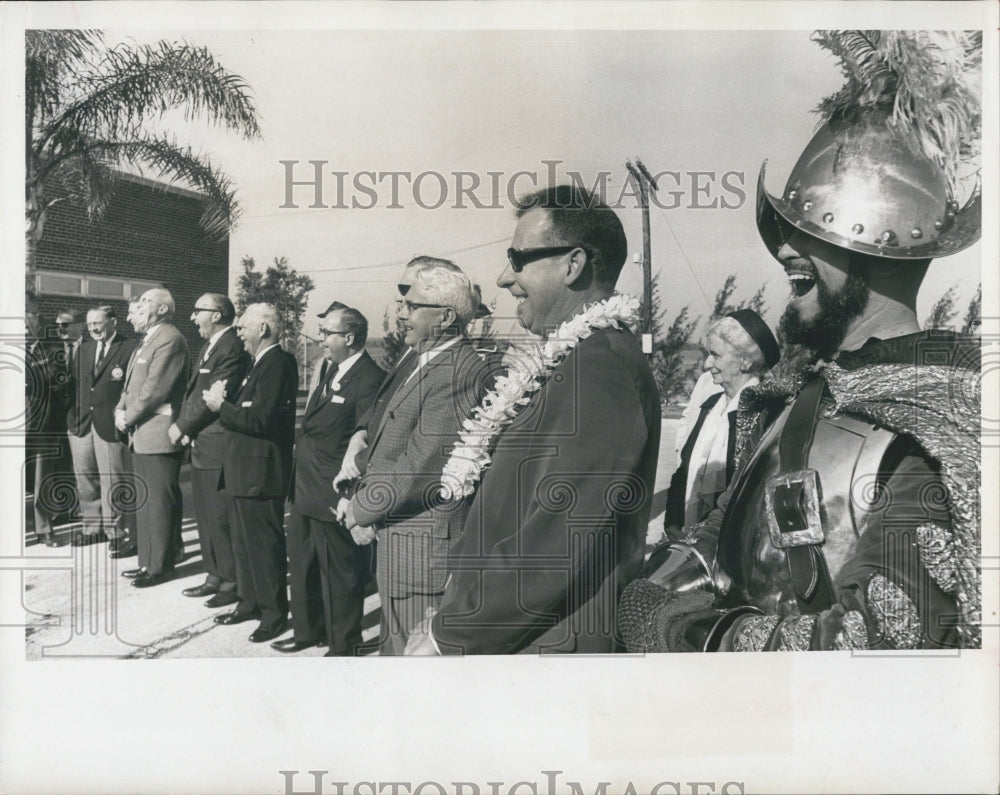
(645,180)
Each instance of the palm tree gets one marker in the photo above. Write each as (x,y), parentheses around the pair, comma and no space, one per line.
(89,109)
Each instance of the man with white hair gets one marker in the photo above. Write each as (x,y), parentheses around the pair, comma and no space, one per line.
(409,442)
(259,420)
(100,456)
(150,401)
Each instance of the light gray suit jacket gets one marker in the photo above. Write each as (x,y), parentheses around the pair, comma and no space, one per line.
(399,492)
(154,390)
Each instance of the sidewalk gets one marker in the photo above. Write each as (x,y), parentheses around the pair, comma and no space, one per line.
(81,607)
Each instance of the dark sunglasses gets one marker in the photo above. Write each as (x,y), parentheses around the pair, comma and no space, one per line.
(204,309)
(518,258)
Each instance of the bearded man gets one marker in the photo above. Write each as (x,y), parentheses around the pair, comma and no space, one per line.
(853,520)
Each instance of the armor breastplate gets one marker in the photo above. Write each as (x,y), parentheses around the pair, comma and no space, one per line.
(846,453)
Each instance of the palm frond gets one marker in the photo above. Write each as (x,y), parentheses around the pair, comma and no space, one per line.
(132,84)
(51,58)
(172,161)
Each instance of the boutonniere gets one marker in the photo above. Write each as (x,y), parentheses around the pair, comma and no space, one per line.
(117,374)
(528,366)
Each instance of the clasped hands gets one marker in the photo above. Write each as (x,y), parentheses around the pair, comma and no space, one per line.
(215,395)
(344,514)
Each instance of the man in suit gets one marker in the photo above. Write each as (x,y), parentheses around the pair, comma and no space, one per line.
(558,523)
(100,456)
(256,469)
(152,397)
(327,569)
(410,442)
(222,358)
(41,391)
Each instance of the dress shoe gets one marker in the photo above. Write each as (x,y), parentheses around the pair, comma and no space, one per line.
(121,549)
(200,590)
(292,645)
(223,599)
(262,634)
(85,540)
(236,617)
(133,573)
(51,540)
(147,580)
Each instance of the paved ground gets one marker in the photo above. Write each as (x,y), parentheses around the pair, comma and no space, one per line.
(82,607)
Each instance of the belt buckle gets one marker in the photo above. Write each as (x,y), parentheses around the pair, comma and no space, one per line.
(786,492)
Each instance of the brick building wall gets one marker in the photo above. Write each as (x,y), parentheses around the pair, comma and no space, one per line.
(149,235)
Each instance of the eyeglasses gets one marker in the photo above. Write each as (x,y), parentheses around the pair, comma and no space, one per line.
(324,333)
(409,306)
(62,325)
(518,258)
(204,309)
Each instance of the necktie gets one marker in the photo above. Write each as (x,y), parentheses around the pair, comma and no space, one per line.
(100,357)
(331,377)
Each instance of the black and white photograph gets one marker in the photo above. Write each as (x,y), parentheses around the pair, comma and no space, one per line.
(633,362)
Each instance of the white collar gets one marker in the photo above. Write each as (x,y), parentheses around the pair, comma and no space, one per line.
(215,337)
(426,356)
(261,352)
(151,332)
(346,365)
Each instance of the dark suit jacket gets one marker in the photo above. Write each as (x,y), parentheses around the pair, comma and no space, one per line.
(260,428)
(227,362)
(154,389)
(327,426)
(408,451)
(95,395)
(558,525)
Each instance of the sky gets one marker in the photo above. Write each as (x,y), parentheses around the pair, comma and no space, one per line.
(707,106)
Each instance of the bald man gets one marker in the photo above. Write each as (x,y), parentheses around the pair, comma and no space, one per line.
(151,400)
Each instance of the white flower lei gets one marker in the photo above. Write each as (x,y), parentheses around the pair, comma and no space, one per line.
(528,365)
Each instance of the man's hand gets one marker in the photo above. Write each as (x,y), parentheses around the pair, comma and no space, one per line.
(349,520)
(120,420)
(349,469)
(175,434)
(362,535)
(420,642)
(215,396)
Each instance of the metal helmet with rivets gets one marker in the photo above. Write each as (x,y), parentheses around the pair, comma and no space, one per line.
(881,175)
(862,188)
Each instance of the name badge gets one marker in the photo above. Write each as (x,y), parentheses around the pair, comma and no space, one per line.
(139,361)
(204,370)
(247,404)
(337,399)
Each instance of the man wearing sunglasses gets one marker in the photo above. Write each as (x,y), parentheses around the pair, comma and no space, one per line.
(411,434)
(558,524)
(222,358)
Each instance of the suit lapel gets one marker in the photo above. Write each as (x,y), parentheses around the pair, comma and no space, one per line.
(112,350)
(254,367)
(314,397)
(448,356)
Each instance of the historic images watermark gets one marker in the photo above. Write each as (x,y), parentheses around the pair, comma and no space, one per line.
(315,184)
(551,785)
